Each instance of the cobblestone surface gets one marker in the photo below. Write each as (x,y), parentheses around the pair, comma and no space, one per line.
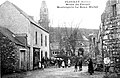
(59,73)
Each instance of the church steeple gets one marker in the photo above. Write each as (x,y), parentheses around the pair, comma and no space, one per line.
(44,16)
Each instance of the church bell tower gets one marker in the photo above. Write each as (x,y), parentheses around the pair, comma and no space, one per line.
(44,16)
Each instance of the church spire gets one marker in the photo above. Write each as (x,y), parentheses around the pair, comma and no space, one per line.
(44,18)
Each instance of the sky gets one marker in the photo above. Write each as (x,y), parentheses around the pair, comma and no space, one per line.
(89,18)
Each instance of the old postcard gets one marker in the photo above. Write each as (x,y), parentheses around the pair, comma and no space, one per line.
(60,38)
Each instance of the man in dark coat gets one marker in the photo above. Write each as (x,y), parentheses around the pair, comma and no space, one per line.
(90,66)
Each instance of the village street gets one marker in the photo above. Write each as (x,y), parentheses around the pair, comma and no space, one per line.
(46,36)
(62,73)
(59,73)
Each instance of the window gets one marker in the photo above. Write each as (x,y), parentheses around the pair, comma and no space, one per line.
(45,54)
(114,10)
(45,10)
(94,41)
(41,54)
(22,58)
(22,55)
(41,40)
(35,37)
(45,40)
(53,52)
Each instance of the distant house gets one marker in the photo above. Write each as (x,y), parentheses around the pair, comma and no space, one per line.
(82,42)
(21,47)
(55,49)
(19,22)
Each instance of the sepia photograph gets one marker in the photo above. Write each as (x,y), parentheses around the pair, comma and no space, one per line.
(59,38)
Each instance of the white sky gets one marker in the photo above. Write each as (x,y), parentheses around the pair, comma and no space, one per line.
(86,18)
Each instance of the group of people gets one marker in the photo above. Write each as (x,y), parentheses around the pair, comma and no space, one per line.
(56,62)
(66,64)
(78,64)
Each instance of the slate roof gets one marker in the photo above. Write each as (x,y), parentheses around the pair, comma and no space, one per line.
(20,40)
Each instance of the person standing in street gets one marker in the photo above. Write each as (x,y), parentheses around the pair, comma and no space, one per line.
(59,63)
(63,64)
(42,63)
(107,64)
(75,64)
(80,64)
(90,66)
(68,62)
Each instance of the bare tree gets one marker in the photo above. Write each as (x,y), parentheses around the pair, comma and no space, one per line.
(66,37)
(71,38)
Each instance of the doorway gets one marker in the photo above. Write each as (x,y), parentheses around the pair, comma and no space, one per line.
(22,59)
(36,58)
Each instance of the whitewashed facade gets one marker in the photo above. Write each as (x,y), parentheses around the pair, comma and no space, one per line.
(19,22)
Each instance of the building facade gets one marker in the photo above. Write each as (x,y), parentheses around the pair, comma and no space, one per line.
(110,32)
(82,42)
(19,22)
(54,49)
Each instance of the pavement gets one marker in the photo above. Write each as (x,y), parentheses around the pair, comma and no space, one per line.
(58,73)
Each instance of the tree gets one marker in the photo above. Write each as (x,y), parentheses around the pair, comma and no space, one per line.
(66,37)
(71,37)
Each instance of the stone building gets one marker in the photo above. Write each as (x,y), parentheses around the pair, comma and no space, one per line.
(20,45)
(110,31)
(44,16)
(19,22)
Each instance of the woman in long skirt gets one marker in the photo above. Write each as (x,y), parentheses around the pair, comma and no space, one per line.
(90,66)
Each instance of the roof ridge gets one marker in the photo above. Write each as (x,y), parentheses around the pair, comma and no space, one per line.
(25,15)
(9,34)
